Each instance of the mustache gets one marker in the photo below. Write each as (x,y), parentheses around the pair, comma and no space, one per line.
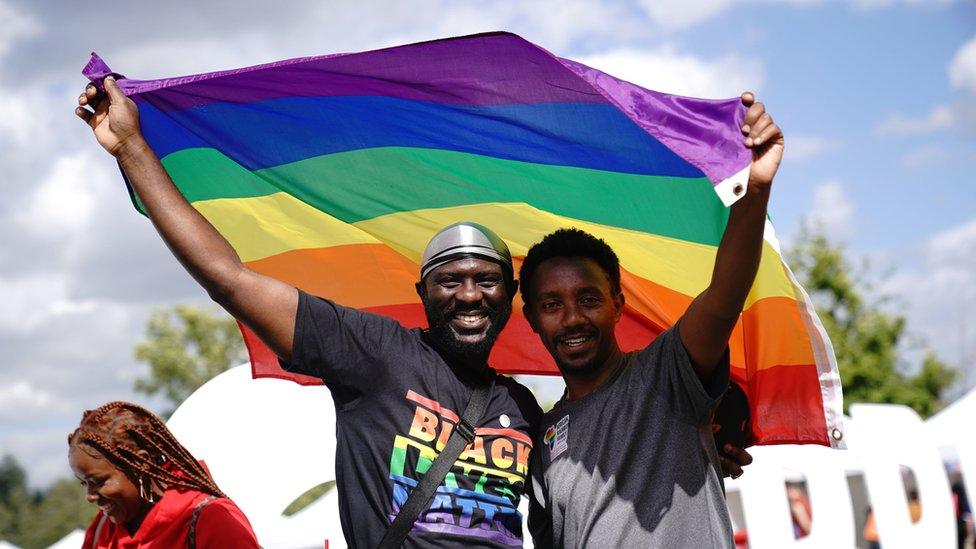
(455,308)
(575,332)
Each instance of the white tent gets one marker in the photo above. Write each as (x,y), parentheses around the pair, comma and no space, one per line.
(71,541)
(956,418)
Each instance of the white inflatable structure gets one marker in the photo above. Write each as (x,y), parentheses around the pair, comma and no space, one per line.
(266,442)
(885,442)
(269,441)
(71,541)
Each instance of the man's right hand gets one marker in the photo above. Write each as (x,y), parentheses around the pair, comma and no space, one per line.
(114,118)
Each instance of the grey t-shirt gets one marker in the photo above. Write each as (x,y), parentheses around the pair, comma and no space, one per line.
(633,464)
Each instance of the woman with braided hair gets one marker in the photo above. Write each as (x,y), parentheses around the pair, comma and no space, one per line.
(150,491)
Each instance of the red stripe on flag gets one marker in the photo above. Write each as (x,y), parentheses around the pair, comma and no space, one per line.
(788,400)
(518,351)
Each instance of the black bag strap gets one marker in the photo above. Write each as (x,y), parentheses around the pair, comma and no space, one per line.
(191,541)
(420,497)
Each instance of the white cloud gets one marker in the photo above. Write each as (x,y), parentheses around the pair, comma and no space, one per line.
(962,67)
(14,25)
(802,147)
(22,396)
(315,28)
(679,14)
(665,69)
(876,4)
(939,118)
(833,210)
(26,301)
(29,302)
(925,156)
(41,451)
(18,123)
(64,200)
(940,294)
(945,247)
(959,113)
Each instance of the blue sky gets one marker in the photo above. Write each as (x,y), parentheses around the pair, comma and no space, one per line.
(877,99)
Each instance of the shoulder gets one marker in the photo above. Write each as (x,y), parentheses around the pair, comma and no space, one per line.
(221,518)
(664,339)
(317,305)
(521,396)
(666,348)
(325,317)
(219,510)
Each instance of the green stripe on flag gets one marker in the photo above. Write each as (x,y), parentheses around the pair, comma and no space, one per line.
(204,173)
(364,184)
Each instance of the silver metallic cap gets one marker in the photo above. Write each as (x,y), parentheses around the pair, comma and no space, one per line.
(460,240)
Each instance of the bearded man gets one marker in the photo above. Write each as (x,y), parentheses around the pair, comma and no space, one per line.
(398,392)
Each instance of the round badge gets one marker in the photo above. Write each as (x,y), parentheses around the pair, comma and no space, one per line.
(504,420)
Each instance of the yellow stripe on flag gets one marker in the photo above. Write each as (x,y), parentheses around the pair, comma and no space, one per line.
(269,225)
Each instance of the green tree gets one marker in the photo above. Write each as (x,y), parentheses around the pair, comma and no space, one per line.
(61,509)
(185,347)
(15,499)
(865,337)
(38,519)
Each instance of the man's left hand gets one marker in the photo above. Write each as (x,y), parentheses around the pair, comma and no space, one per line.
(764,138)
(733,460)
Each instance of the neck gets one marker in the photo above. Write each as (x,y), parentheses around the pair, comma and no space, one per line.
(578,385)
(470,368)
(133,525)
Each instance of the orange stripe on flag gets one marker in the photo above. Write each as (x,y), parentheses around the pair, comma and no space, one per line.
(774,331)
(375,278)
(354,275)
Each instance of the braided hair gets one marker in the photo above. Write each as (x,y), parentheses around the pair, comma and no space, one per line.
(118,431)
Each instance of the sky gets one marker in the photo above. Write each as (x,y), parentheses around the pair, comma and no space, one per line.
(877,99)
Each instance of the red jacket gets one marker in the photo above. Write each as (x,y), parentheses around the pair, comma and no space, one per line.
(219,524)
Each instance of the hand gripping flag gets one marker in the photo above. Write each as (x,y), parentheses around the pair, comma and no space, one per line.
(332,173)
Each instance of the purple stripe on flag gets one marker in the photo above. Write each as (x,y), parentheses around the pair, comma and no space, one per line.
(487,69)
(698,130)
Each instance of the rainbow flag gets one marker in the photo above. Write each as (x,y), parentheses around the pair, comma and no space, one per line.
(332,173)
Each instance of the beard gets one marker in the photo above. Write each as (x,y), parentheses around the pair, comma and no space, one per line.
(443,336)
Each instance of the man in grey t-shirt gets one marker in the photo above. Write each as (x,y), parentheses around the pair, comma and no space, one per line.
(626,458)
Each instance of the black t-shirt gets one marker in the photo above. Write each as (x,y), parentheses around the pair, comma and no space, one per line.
(397,402)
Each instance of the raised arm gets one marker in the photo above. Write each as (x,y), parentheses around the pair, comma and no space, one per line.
(265,304)
(707,324)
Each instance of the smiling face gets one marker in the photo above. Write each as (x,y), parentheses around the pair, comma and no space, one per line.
(573,309)
(467,304)
(108,487)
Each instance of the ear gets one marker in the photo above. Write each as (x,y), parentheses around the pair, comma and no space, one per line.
(527,313)
(419,286)
(618,305)
(513,287)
